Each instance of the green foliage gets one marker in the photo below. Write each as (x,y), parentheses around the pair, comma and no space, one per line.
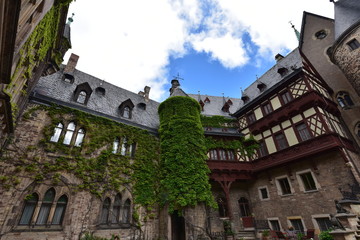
(325,235)
(265,233)
(184,172)
(93,163)
(218,121)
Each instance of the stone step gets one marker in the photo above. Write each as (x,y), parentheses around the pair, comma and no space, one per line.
(246,234)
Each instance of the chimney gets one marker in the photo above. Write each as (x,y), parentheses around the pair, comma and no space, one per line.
(70,67)
(278,57)
(146,93)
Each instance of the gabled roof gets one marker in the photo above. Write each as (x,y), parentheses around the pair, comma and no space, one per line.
(304,22)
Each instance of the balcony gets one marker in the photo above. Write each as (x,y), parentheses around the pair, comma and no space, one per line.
(298,105)
(238,170)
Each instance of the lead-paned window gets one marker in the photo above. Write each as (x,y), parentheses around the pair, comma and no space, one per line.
(281,141)
(60,210)
(105,211)
(251,118)
(222,206)
(126,211)
(286,97)
(29,208)
(303,132)
(116,209)
(57,132)
(45,207)
(262,151)
(267,109)
(79,137)
(69,133)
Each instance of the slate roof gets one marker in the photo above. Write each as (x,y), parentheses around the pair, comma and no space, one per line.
(52,88)
(214,107)
(291,63)
(347,13)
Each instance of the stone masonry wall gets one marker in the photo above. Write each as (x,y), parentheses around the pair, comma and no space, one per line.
(83,209)
(349,60)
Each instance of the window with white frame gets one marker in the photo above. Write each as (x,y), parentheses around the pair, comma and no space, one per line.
(283,185)
(297,224)
(263,193)
(71,135)
(324,223)
(274,224)
(307,181)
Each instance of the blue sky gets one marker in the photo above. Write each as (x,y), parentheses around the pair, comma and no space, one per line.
(217,46)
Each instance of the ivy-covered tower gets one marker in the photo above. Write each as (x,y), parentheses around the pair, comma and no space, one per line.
(184,181)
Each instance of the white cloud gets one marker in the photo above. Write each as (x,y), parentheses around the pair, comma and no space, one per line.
(128,43)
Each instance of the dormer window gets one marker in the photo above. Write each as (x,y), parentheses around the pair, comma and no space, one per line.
(126,108)
(142,106)
(245,99)
(282,71)
(229,102)
(226,107)
(68,78)
(202,104)
(126,112)
(261,87)
(207,100)
(100,91)
(82,93)
(82,97)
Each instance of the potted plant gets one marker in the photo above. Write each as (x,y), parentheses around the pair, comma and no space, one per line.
(265,234)
(228,231)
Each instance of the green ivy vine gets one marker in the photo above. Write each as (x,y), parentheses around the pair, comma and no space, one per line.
(218,121)
(93,163)
(184,172)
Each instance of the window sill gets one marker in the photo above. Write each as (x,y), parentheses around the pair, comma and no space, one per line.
(265,199)
(42,228)
(287,195)
(311,191)
(114,226)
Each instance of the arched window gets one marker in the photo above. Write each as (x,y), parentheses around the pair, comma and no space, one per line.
(126,211)
(60,210)
(69,133)
(126,108)
(105,211)
(45,207)
(124,146)
(29,208)
(126,112)
(244,207)
(82,97)
(79,137)
(116,209)
(344,100)
(57,132)
(223,210)
(116,145)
